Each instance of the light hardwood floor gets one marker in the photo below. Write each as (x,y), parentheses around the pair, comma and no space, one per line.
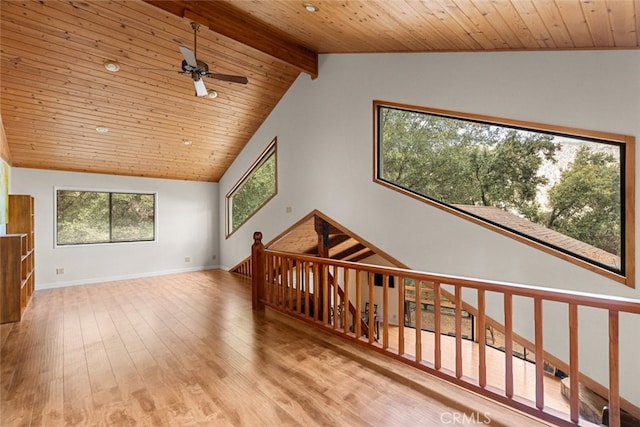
(186,349)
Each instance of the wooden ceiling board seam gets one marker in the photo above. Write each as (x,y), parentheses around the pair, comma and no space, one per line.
(529,14)
(436,18)
(421,34)
(623,23)
(598,25)
(576,23)
(390,28)
(499,39)
(427,34)
(466,24)
(555,25)
(487,12)
(513,19)
(636,13)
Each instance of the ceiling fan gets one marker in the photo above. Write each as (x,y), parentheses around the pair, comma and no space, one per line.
(198,69)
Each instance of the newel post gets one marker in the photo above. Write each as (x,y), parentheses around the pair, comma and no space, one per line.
(257,275)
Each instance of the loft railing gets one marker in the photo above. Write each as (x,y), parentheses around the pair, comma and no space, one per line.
(294,283)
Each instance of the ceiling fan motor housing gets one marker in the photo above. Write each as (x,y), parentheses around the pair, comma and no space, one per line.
(201,70)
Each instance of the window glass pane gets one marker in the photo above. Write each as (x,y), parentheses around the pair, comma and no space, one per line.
(251,193)
(132,217)
(560,190)
(82,217)
(85,217)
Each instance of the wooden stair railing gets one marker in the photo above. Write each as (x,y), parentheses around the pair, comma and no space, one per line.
(309,281)
(297,296)
(352,309)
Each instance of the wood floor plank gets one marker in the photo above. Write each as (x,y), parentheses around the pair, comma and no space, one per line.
(186,349)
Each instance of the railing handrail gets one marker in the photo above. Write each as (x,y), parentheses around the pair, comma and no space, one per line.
(602,301)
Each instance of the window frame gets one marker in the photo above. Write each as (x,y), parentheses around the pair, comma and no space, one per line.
(627,205)
(272,149)
(93,190)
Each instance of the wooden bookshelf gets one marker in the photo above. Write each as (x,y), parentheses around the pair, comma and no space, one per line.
(17,257)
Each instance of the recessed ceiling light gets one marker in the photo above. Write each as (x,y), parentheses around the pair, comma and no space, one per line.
(310,7)
(187,142)
(102,129)
(212,94)
(111,65)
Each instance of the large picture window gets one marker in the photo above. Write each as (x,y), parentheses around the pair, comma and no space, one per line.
(87,217)
(562,190)
(256,187)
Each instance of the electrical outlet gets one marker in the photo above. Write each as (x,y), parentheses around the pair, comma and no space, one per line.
(214,257)
(187,259)
(59,270)
(288,209)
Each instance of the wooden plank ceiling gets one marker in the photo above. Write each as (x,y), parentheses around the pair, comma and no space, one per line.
(56,91)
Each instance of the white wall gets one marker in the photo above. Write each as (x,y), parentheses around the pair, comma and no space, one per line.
(187,215)
(325,161)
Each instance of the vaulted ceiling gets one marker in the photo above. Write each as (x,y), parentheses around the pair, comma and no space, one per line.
(56,91)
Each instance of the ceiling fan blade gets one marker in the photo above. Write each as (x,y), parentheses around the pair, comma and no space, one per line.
(201,89)
(228,78)
(188,56)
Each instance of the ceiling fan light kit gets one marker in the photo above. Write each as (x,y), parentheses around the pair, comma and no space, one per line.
(198,69)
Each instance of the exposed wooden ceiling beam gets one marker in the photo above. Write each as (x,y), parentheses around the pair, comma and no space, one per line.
(229,22)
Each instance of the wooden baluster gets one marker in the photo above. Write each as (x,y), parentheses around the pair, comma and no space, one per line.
(508,345)
(307,288)
(401,314)
(346,303)
(437,349)
(267,287)
(385,312)
(614,370)
(284,274)
(418,294)
(539,352)
(482,339)
(371,311)
(316,290)
(289,262)
(336,302)
(275,267)
(358,320)
(458,327)
(574,373)
(299,266)
(258,279)
(325,294)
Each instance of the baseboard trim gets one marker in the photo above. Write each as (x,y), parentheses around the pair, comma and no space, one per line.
(96,280)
